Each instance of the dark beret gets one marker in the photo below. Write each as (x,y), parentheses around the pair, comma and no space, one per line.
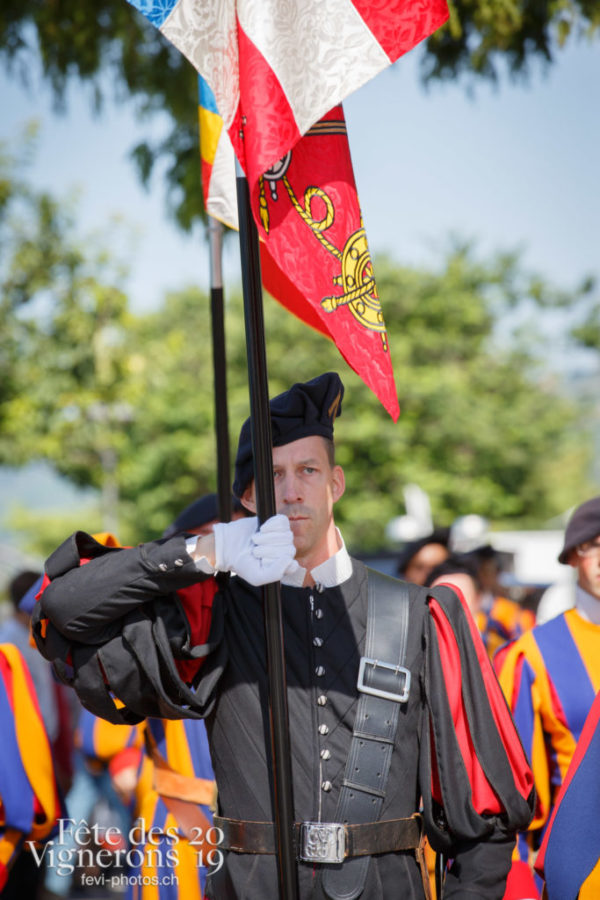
(204,509)
(198,513)
(584,525)
(306,409)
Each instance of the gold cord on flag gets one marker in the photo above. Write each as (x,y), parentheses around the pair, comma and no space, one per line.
(356,276)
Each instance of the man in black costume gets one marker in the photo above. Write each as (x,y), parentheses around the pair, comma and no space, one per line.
(393,705)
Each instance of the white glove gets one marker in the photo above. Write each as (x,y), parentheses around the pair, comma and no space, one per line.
(259,557)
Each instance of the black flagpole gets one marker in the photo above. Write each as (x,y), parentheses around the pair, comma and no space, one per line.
(215,236)
(265,497)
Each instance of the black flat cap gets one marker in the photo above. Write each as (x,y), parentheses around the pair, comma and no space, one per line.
(584,525)
(198,513)
(306,409)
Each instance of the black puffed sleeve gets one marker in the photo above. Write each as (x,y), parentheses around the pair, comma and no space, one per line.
(113,625)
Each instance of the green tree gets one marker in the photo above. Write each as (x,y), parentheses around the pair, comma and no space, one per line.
(476,425)
(587,332)
(108,46)
(486,37)
(63,322)
(124,402)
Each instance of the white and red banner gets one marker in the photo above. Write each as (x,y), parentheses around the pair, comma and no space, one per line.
(276,67)
(278,71)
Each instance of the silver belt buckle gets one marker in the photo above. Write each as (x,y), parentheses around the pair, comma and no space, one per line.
(400,697)
(322,842)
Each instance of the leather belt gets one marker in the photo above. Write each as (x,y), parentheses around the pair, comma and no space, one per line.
(312,838)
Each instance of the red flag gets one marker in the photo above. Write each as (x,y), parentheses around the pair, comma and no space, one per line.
(315,257)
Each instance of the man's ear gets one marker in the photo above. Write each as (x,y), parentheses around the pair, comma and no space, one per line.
(248,499)
(573,559)
(339,482)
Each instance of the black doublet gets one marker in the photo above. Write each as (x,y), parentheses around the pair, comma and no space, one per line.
(324,634)
(117,619)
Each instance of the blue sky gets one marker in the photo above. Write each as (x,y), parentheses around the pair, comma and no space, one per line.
(512,166)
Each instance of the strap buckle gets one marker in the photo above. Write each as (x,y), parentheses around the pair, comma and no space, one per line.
(322,842)
(398,694)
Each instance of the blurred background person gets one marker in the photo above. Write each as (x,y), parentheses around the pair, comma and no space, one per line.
(569,855)
(102,751)
(67,705)
(500,618)
(550,677)
(419,557)
(459,571)
(30,799)
(15,629)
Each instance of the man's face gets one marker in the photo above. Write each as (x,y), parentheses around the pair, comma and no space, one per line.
(588,566)
(306,487)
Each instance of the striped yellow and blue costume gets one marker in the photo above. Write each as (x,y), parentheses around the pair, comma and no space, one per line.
(505,621)
(187,774)
(30,803)
(103,744)
(550,677)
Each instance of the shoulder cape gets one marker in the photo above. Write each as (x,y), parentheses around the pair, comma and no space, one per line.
(473,759)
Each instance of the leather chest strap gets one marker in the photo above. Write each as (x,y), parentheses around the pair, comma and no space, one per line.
(384,684)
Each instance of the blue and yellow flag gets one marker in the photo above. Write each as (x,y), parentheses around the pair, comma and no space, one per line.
(217,159)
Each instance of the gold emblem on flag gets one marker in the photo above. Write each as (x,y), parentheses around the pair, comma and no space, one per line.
(359,291)
(358,284)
